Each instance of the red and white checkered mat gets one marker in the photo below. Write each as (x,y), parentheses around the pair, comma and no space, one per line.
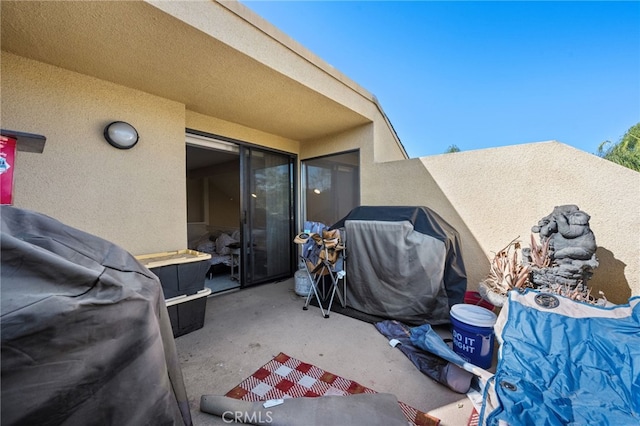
(474,418)
(287,377)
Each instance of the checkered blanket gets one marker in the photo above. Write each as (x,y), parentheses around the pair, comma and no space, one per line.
(287,377)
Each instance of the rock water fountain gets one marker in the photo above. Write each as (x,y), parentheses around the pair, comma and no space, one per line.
(571,249)
(561,262)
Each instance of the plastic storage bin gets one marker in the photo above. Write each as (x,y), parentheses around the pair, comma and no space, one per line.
(180,272)
(187,312)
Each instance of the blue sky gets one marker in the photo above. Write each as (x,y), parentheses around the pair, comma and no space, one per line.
(481,74)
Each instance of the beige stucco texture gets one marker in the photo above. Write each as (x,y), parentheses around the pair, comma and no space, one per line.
(494,196)
(136,198)
(409,183)
(501,193)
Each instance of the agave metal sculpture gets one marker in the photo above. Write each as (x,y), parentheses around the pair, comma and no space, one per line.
(507,272)
(539,253)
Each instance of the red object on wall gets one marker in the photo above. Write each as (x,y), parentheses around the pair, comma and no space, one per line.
(7,166)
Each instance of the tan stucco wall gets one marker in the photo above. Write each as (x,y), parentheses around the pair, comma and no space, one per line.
(239,27)
(215,126)
(501,193)
(493,196)
(375,141)
(409,183)
(359,138)
(135,198)
(386,145)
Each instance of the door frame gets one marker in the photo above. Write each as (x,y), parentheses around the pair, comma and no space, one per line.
(214,141)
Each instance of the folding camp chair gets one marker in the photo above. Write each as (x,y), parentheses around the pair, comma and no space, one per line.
(323,254)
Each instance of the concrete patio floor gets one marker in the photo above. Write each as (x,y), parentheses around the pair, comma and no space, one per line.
(245,329)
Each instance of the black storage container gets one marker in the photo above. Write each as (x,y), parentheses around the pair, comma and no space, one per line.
(187,312)
(180,272)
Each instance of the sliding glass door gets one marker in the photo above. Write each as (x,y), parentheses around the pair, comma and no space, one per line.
(331,187)
(267,215)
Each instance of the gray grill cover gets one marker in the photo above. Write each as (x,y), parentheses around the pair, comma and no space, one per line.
(403,263)
(86,338)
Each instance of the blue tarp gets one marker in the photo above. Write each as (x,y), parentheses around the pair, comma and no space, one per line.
(565,362)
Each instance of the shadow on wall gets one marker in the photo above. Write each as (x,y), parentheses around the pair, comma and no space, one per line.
(609,278)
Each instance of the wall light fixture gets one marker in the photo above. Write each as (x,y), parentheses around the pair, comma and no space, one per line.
(121,135)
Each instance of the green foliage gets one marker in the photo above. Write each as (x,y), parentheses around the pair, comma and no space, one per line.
(626,152)
(452,148)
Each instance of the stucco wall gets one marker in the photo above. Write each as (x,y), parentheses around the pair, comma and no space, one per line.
(376,142)
(359,138)
(239,27)
(207,124)
(387,146)
(501,193)
(493,196)
(409,183)
(135,198)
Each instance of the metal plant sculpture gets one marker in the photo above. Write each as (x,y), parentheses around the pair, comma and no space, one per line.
(539,253)
(507,272)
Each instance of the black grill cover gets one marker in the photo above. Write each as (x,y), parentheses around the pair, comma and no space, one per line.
(403,263)
(86,338)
